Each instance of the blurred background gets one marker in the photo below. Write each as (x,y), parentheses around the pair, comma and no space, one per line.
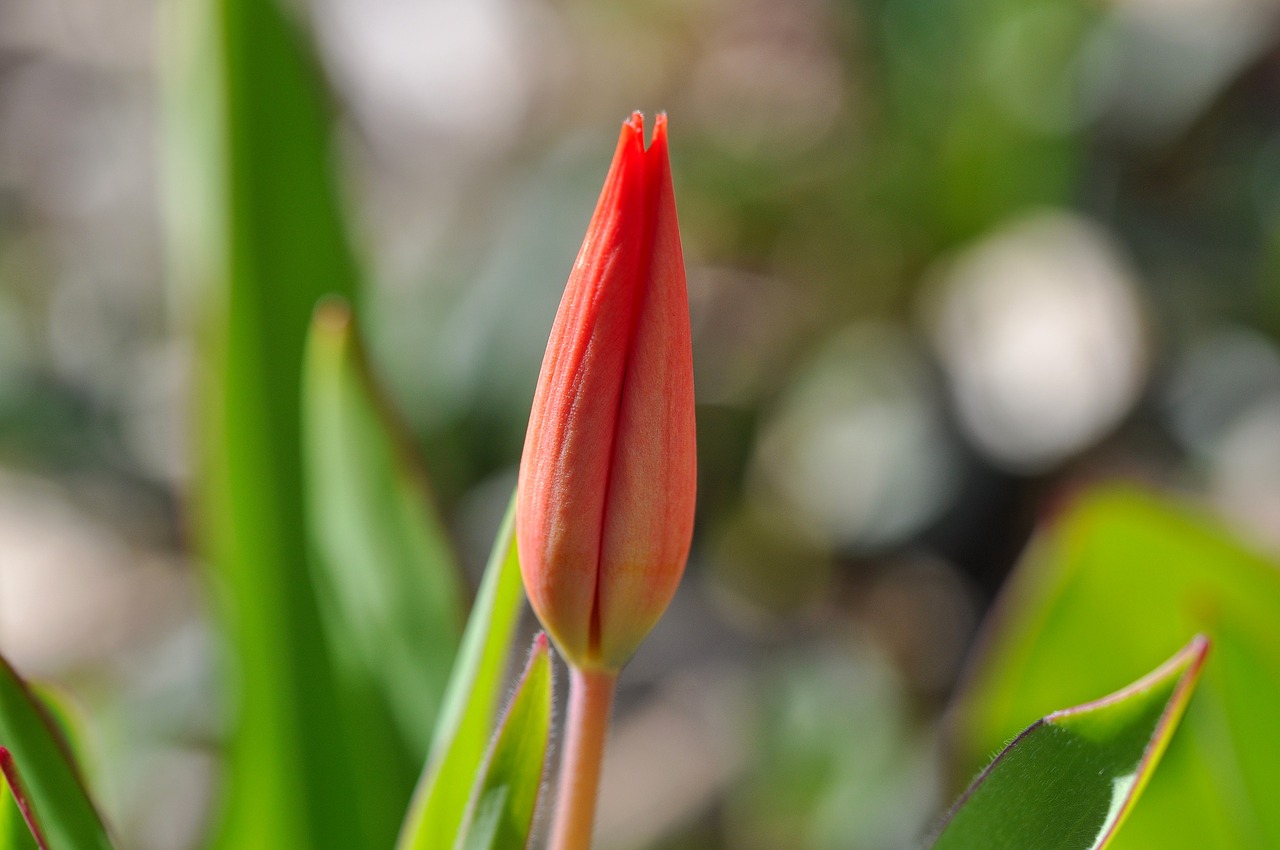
(949,262)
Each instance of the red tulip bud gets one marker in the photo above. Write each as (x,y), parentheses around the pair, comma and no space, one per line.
(604,511)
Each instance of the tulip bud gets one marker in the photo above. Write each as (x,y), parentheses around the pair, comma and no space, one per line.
(604,511)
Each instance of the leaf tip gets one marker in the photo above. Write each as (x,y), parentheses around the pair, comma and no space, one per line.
(332,316)
(1198,650)
(1185,665)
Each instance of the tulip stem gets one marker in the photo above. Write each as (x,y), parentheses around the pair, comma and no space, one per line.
(590,700)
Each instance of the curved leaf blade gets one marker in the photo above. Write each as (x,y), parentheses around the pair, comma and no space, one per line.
(1069,781)
(39,771)
(385,573)
(500,814)
(1119,577)
(462,731)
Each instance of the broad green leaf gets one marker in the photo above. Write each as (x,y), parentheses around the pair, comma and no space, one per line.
(53,787)
(388,581)
(258,239)
(1069,781)
(462,732)
(500,814)
(1116,580)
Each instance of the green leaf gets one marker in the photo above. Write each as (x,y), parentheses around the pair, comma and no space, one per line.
(462,732)
(38,768)
(387,578)
(14,833)
(20,817)
(1070,780)
(1119,578)
(258,239)
(500,814)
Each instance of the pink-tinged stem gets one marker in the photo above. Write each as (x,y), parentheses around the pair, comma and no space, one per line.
(590,699)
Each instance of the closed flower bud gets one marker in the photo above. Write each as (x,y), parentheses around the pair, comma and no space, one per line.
(605,500)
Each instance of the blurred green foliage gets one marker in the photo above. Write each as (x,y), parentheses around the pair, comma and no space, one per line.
(390,591)
(305,767)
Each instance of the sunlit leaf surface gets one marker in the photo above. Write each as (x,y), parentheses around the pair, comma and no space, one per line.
(500,814)
(258,240)
(466,719)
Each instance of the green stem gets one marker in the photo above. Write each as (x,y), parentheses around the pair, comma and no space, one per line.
(590,699)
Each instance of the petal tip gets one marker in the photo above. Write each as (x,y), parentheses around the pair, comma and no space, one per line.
(633,127)
(659,140)
(632,140)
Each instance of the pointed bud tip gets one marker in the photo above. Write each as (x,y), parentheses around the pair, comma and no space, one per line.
(634,127)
